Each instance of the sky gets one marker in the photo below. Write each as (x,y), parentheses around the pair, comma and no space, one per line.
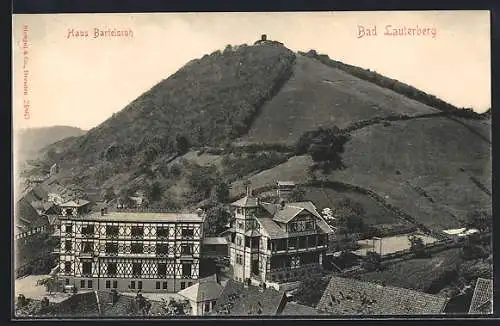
(82,81)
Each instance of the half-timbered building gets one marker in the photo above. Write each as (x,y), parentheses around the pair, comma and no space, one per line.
(130,250)
(276,243)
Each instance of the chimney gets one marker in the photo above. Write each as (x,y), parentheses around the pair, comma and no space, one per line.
(263,37)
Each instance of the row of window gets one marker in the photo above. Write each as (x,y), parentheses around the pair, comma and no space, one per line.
(136,269)
(135,231)
(114,284)
(135,248)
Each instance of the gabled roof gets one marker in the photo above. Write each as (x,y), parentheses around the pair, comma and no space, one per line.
(75,203)
(290,210)
(345,296)
(246,202)
(236,300)
(482,299)
(206,289)
(296,309)
(273,230)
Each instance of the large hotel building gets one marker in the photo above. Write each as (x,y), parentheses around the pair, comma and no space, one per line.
(129,250)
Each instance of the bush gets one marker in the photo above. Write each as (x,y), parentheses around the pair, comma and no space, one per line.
(310,290)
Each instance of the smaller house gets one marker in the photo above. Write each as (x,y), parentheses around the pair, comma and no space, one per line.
(241,299)
(75,207)
(482,299)
(345,296)
(203,295)
(456,234)
(215,247)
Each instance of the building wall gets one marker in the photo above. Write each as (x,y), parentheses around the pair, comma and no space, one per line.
(124,258)
(122,284)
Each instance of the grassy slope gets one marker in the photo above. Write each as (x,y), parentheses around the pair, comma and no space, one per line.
(429,154)
(318,95)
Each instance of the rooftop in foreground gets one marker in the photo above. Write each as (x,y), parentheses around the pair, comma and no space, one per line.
(141,216)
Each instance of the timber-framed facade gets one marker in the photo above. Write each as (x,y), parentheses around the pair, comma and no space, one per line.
(130,250)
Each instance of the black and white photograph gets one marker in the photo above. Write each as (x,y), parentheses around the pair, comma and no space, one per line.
(329,165)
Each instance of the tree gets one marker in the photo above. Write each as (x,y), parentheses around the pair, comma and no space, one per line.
(155,192)
(310,290)
(297,194)
(417,246)
(372,261)
(21,301)
(49,283)
(480,220)
(181,144)
(174,307)
(108,194)
(140,305)
(349,217)
(216,219)
(222,192)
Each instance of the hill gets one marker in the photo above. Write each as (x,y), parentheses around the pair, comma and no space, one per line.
(31,140)
(240,113)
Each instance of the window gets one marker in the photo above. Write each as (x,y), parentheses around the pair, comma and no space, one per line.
(239,259)
(157,285)
(87,268)
(111,269)
(162,232)
(108,284)
(187,233)
(241,225)
(238,240)
(82,284)
(139,285)
(164,285)
(87,246)
(186,270)
(111,230)
(137,231)
(68,245)
(69,228)
(66,281)
(67,267)
(185,249)
(88,229)
(295,262)
(207,307)
(137,248)
(302,242)
(132,284)
(292,243)
(115,284)
(190,283)
(111,247)
(136,269)
(162,249)
(183,285)
(162,269)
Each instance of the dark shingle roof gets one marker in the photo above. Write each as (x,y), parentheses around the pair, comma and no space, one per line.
(345,296)
(296,309)
(236,300)
(482,299)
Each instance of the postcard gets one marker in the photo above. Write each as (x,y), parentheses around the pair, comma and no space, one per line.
(307,164)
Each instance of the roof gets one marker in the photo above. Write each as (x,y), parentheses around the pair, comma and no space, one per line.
(290,210)
(273,230)
(25,212)
(454,231)
(252,233)
(139,216)
(75,203)
(246,202)
(214,241)
(482,299)
(236,300)
(206,289)
(286,183)
(345,296)
(296,309)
